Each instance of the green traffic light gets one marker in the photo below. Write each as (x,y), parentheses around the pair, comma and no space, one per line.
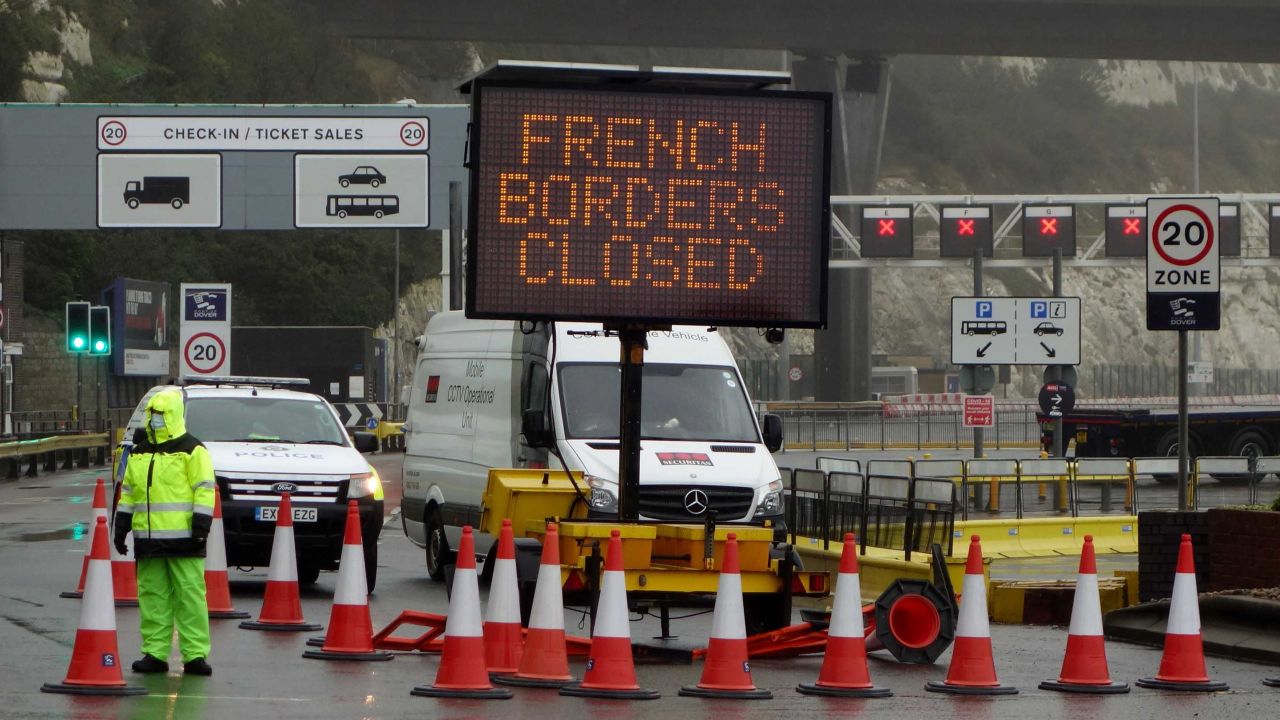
(99,346)
(77,342)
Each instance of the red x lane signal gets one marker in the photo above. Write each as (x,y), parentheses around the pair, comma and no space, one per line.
(1133,226)
(964,227)
(1048,226)
(886,231)
(887,226)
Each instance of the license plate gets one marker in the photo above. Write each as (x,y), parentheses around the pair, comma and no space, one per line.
(300,514)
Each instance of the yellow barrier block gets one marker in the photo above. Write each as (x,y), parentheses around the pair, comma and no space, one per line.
(1111,533)
(1000,538)
(1034,602)
(1130,587)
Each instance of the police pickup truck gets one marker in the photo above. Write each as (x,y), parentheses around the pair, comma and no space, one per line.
(266,437)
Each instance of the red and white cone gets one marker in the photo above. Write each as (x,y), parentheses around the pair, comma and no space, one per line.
(95,658)
(462,672)
(99,511)
(503,635)
(1084,667)
(545,662)
(1182,665)
(281,604)
(611,671)
(350,635)
(217,584)
(844,666)
(973,668)
(725,671)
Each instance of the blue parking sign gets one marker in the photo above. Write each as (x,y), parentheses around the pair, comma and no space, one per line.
(984,309)
(1039,309)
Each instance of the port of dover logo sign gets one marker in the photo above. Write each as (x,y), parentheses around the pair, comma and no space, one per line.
(206,304)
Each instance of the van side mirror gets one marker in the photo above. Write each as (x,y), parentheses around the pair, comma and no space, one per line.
(366,442)
(536,429)
(772,432)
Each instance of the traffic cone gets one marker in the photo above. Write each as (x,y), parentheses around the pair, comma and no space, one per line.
(281,604)
(1182,665)
(350,635)
(124,573)
(844,666)
(725,671)
(545,662)
(1084,668)
(973,669)
(99,511)
(462,672)
(611,671)
(503,636)
(216,583)
(95,658)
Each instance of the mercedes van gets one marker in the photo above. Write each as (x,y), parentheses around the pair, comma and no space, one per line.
(487,394)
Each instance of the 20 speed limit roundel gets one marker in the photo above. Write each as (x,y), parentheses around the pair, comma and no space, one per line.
(204,353)
(1183,235)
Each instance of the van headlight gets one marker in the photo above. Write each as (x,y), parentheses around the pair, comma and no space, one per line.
(771,503)
(601,497)
(365,484)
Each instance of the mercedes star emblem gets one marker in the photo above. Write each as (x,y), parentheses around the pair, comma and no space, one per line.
(696,502)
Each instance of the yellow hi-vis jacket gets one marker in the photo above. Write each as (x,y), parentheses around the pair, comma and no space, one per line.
(167,494)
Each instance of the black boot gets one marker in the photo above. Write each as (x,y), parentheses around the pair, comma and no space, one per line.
(199,666)
(149,664)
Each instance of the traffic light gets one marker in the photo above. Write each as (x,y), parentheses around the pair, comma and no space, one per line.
(99,330)
(962,229)
(77,327)
(886,231)
(1046,228)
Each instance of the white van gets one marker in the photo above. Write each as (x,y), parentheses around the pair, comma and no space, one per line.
(485,395)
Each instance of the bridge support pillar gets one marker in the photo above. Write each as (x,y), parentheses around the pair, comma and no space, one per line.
(860,87)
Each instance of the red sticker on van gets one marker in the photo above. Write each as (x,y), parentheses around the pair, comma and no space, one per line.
(433,387)
(680,458)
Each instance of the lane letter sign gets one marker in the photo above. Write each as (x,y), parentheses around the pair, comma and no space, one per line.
(1183,267)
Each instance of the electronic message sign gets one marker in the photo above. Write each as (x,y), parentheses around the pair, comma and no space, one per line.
(1046,228)
(617,204)
(887,231)
(963,229)
(1126,230)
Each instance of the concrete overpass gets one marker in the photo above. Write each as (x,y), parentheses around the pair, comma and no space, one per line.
(842,47)
(1209,30)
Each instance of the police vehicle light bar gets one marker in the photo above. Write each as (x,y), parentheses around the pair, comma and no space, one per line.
(247,380)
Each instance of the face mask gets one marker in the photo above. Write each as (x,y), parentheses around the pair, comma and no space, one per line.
(157,422)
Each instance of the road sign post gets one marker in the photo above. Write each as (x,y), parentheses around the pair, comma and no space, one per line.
(1183,282)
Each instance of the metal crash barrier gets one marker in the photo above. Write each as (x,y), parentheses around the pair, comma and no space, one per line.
(76,450)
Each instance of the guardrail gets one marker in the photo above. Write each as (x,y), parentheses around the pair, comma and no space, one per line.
(878,503)
(76,450)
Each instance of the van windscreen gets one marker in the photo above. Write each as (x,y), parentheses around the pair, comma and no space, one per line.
(681,402)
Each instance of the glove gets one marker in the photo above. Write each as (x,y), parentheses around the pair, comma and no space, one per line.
(124,521)
(200,525)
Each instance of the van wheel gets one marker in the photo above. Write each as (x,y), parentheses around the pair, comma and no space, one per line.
(308,574)
(438,552)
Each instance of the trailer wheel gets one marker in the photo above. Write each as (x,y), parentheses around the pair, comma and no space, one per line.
(1168,447)
(765,612)
(1251,442)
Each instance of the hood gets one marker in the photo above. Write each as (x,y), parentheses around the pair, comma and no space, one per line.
(164,420)
(682,462)
(269,458)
